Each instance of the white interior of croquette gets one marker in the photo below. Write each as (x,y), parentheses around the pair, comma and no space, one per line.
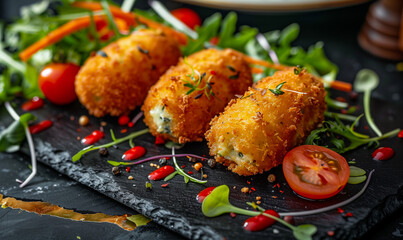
(228,152)
(162,119)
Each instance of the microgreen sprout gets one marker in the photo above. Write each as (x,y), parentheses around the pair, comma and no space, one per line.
(357,175)
(115,141)
(179,171)
(366,81)
(277,91)
(196,81)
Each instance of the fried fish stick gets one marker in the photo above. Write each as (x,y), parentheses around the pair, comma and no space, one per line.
(255,132)
(117,78)
(181,104)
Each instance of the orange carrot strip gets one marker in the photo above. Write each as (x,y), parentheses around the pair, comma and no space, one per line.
(131,19)
(342,86)
(263,63)
(257,70)
(56,35)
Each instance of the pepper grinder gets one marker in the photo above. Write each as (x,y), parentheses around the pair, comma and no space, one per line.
(382,33)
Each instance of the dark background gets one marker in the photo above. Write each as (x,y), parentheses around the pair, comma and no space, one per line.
(337,28)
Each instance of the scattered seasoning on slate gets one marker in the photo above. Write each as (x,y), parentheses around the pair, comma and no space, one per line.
(103,124)
(245,190)
(164,185)
(83,120)
(197,166)
(349,214)
(232,214)
(258,198)
(102,53)
(127,169)
(204,175)
(115,170)
(211,162)
(191,159)
(339,210)
(271,178)
(330,233)
(289,219)
(103,151)
(162,161)
(130,177)
(149,186)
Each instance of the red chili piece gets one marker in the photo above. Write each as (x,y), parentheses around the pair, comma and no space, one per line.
(232,214)
(134,153)
(213,72)
(164,185)
(161,173)
(33,104)
(203,194)
(127,169)
(190,172)
(123,120)
(94,137)
(159,140)
(40,126)
(130,124)
(400,135)
(260,222)
(383,153)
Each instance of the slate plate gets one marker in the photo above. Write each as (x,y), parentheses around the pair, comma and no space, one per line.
(176,208)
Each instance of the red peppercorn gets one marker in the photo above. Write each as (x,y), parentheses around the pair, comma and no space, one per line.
(203,194)
(134,153)
(94,137)
(260,222)
(40,126)
(383,153)
(123,120)
(33,104)
(161,173)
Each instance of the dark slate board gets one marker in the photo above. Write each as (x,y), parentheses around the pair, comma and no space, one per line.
(175,207)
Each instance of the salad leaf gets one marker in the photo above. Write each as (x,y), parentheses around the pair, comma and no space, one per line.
(12,137)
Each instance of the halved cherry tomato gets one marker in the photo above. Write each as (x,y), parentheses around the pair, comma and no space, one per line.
(187,16)
(56,81)
(315,172)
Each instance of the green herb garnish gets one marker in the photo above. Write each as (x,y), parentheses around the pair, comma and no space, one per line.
(217,203)
(342,137)
(297,70)
(12,137)
(179,171)
(196,79)
(277,91)
(115,141)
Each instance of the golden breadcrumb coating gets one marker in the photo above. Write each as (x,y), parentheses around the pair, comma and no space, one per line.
(173,113)
(255,132)
(118,81)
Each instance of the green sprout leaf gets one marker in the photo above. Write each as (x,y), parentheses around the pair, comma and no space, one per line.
(277,91)
(357,180)
(356,171)
(12,137)
(304,232)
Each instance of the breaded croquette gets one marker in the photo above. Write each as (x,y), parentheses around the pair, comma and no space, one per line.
(255,132)
(117,78)
(181,104)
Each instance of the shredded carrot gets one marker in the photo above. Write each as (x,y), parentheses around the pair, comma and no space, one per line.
(56,35)
(342,86)
(263,63)
(131,18)
(256,70)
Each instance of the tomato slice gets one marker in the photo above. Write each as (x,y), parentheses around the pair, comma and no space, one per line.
(315,172)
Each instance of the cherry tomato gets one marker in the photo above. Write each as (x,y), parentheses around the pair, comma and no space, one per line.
(187,16)
(315,172)
(134,153)
(56,81)
(260,222)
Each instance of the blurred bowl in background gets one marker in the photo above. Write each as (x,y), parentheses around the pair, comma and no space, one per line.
(274,5)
